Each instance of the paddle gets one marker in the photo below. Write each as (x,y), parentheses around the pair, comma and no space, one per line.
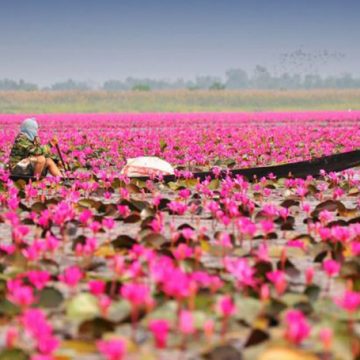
(61,157)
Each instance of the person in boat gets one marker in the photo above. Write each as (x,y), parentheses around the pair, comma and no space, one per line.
(28,157)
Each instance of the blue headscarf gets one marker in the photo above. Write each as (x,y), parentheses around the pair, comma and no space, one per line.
(29,127)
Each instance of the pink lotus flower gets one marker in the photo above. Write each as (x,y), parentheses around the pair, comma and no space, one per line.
(188,234)
(124,211)
(326,337)
(267,226)
(108,223)
(331,267)
(224,240)
(355,248)
(104,304)
(309,275)
(297,327)
(182,252)
(156,200)
(278,278)
(95,226)
(71,276)
(349,301)
(325,216)
(11,337)
(112,349)
(177,207)
(18,233)
(8,249)
(241,270)
(38,279)
(157,224)
(160,330)
(264,292)
(35,323)
(226,306)
(262,253)
(186,322)
(42,357)
(85,216)
(209,328)
(118,264)
(97,287)
(136,294)
(20,295)
(51,243)
(184,193)
(44,219)
(47,344)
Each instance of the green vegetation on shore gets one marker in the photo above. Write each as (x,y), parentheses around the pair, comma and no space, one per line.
(177,101)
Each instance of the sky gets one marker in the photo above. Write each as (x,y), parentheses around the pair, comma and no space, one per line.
(45,41)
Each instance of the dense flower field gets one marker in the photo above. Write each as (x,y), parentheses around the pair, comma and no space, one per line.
(106,267)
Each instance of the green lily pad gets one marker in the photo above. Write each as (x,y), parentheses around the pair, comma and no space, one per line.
(82,307)
(7,308)
(13,354)
(50,298)
(94,329)
(248,309)
(119,311)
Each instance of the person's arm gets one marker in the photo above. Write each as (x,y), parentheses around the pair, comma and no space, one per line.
(32,148)
(47,148)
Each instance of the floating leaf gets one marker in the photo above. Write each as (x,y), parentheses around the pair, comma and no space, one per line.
(50,298)
(146,213)
(288,224)
(329,205)
(163,145)
(256,337)
(133,218)
(313,292)
(20,184)
(305,238)
(89,203)
(289,202)
(173,186)
(13,354)
(163,203)
(275,307)
(83,306)
(248,309)
(224,352)
(105,251)
(350,269)
(354,191)
(166,311)
(133,189)
(81,239)
(38,207)
(123,242)
(107,209)
(119,311)
(95,328)
(185,226)
(8,309)
(80,347)
(286,353)
(214,184)
(155,240)
(117,183)
(139,205)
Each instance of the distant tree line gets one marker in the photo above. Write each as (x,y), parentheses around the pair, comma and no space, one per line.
(235,78)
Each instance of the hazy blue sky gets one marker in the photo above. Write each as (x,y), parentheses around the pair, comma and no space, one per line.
(50,40)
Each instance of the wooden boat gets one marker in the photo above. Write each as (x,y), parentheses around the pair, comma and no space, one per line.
(301,169)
